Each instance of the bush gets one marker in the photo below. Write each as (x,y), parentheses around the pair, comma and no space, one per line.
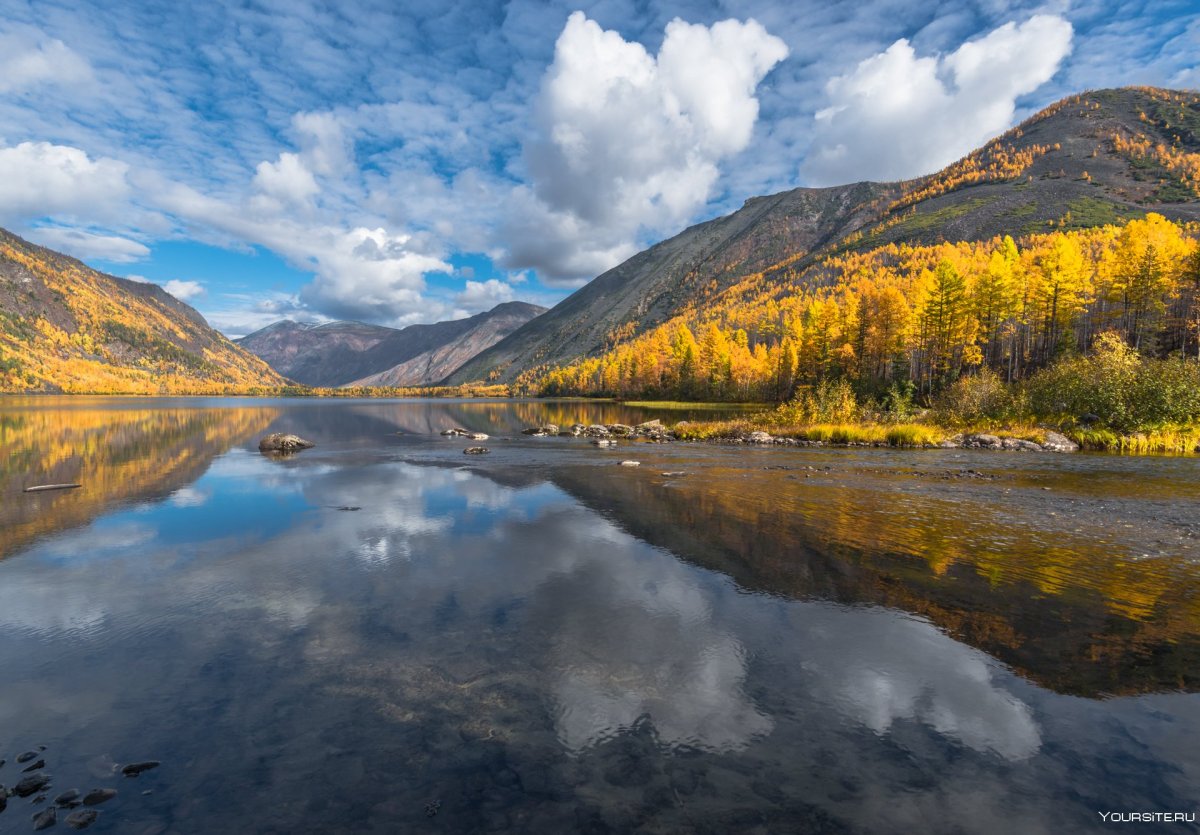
(1125,390)
(976,399)
(829,402)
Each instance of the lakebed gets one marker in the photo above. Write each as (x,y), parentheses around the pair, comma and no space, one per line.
(381,634)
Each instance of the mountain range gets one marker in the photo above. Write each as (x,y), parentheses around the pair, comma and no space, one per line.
(354,353)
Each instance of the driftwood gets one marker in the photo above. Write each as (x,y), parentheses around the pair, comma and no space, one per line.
(40,487)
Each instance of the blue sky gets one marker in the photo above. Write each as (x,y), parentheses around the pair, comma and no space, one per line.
(404,162)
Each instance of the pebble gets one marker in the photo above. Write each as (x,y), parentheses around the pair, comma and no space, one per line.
(433,807)
(45,819)
(82,819)
(97,796)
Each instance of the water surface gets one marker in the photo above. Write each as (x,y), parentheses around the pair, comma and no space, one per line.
(382,634)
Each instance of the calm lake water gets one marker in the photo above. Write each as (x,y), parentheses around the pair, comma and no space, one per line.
(384,635)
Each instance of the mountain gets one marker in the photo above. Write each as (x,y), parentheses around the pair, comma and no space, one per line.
(1088,160)
(353,353)
(431,366)
(65,327)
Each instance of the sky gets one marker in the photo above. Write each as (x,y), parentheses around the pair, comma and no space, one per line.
(410,161)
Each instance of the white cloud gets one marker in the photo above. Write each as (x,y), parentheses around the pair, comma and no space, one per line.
(484,295)
(898,115)
(84,244)
(29,59)
(184,290)
(40,179)
(287,179)
(629,141)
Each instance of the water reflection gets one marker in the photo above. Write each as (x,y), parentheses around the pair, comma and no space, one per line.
(519,639)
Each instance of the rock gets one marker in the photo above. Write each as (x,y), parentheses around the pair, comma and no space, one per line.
(759,437)
(539,431)
(31,785)
(67,798)
(982,441)
(97,796)
(620,429)
(577,429)
(604,442)
(476,450)
(648,425)
(478,436)
(26,757)
(1057,442)
(82,819)
(134,769)
(631,463)
(1089,419)
(281,442)
(953,442)
(34,766)
(39,488)
(1020,445)
(3,798)
(456,432)
(674,474)
(432,808)
(45,819)
(596,430)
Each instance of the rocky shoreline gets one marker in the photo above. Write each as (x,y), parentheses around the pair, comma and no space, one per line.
(654,431)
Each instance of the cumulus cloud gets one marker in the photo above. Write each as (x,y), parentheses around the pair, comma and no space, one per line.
(628,141)
(184,290)
(484,295)
(899,115)
(41,179)
(287,179)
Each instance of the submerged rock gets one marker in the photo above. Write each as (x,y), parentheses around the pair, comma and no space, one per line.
(67,798)
(282,442)
(97,796)
(82,819)
(45,819)
(134,769)
(476,450)
(31,785)
(26,757)
(34,766)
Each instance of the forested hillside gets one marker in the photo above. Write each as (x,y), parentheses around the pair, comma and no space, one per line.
(65,327)
(1020,239)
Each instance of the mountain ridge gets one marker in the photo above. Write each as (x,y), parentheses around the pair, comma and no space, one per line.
(65,327)
(346,353)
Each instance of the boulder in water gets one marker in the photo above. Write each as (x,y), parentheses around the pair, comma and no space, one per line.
(283,442)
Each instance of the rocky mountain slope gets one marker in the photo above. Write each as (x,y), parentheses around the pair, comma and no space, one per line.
(1096,158)
(65,327)
(353,353)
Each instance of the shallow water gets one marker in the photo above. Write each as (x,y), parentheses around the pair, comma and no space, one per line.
(382,634)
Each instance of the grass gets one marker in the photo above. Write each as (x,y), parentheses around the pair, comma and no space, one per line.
(689,405)
(1167,440)
(876,434)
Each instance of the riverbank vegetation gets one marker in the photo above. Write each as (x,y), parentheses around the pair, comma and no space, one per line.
(1095,331)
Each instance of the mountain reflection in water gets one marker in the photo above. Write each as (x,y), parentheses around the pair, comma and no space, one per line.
(542,641)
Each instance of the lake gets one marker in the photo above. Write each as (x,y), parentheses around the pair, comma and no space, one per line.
(382,634)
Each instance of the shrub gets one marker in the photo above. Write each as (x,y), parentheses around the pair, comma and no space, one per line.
(975,399)
(1125,390)
(829,402)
